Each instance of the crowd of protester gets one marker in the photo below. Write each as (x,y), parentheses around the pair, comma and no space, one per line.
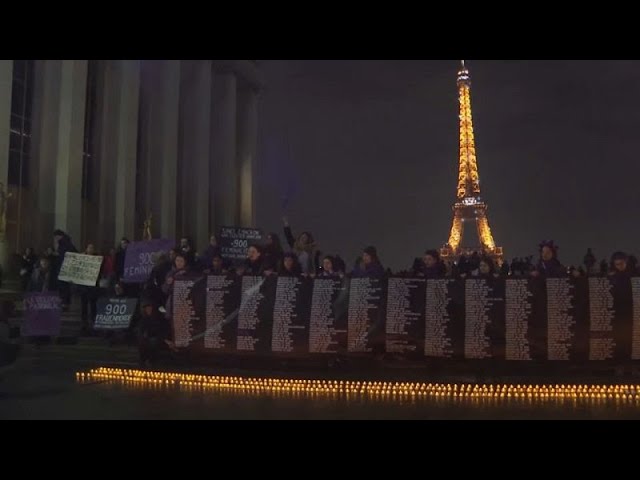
(151,324)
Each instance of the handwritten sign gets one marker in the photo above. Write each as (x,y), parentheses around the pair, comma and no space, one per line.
(80,269)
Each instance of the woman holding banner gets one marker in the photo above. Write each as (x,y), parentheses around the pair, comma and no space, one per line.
(255,264)
(180,269)
(89,299)
(549,266)
(63,245)
(289,267)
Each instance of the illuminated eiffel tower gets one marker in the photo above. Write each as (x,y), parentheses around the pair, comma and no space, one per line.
(469,207)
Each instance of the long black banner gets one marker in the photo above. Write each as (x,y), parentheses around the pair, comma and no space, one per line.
(514,319)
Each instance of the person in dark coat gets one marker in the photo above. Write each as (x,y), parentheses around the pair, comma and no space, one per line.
(189,251)
(121,254)
(371,266)
(486,269)
(9,350)
(50,254)
(620,265)
(254,264)
(474,261)
(212,250)
(549,265)
(464,265)
(181,268)
(604,267)
(28,263)
(43,278)
(589,261)
(153,335)
(304,247)
(63,245)
(339,265)
(417,267)
(504,269)
(432,265)
(289,266)
(89,299)
(329,269)
(164,265)
(273,251)
(217,266)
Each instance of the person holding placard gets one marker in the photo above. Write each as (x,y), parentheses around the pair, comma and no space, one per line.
(120,257)
(89,299)
(181,268)
(63,245)
(549,266)
(254,264)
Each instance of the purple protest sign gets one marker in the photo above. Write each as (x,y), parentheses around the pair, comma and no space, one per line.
(41,315)
(140,259)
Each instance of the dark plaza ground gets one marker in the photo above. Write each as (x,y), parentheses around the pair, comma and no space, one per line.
(42,384)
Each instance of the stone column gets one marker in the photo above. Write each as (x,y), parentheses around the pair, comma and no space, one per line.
(247,140)
(224,176)
(126,116)
(158,137)
(117,123)
(163,143)
(195,142)
(106,126)
(6,82)
(61,91)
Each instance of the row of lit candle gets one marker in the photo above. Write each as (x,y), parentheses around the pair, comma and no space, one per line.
(412,389)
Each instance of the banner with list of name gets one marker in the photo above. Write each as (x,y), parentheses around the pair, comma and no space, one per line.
(479,319)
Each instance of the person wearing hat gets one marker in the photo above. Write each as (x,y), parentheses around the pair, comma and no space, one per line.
(549,265)
(370,266)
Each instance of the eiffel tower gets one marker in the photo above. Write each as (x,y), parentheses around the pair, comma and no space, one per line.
(469,207)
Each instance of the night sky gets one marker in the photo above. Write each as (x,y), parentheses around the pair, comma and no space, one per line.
(366,153)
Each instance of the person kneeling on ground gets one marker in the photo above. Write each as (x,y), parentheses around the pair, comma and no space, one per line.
(154,333)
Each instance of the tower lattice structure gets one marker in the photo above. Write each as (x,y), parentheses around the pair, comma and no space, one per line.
(469,206)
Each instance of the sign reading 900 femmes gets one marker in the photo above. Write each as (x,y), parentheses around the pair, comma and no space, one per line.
(140,259)
(234,242)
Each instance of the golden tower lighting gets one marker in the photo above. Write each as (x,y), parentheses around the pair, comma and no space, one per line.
(469,206)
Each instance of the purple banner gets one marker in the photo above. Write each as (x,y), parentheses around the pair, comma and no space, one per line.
(140,259)
(41,314)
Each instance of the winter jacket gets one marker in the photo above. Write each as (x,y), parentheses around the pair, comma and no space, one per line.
(371,270)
